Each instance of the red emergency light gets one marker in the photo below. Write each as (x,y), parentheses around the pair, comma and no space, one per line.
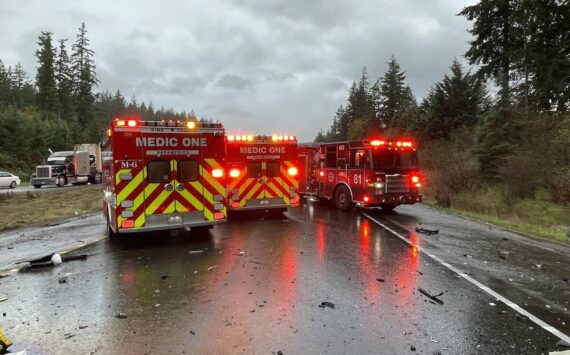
(217,173)
(234,173)
(292,171)
(377,143)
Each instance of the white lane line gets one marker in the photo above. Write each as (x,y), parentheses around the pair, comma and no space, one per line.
(482,287)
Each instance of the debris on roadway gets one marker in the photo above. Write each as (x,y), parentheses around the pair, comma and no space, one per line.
(121,315)
(429,295)
(326,304)
(427,231)
(196,251)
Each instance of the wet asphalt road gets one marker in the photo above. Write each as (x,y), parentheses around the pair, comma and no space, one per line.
(268,277)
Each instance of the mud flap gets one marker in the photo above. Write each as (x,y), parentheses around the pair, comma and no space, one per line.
(5,343)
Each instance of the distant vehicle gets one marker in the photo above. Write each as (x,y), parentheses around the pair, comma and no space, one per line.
(9,180)
(262,172)
(79,166)
(370,173)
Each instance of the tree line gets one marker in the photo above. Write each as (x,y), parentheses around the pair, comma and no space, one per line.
(60,106)
(506,122)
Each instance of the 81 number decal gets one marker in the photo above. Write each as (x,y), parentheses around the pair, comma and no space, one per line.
(357,179)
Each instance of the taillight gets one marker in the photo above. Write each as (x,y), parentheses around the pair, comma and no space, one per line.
(217,173)
(415,179)
(234,173)
(321,173)
(292,171)
(131,123)
(366,198)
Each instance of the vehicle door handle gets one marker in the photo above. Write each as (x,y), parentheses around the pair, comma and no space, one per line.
(168,187)
(179,187)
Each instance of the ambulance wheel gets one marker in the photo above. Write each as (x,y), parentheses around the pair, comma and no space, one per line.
(61,181)
(112,235)
(342,198)
(37,186)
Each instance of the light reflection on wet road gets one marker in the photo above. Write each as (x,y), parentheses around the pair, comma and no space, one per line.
(270,275)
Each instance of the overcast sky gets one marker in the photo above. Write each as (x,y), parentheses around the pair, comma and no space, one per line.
(258,66)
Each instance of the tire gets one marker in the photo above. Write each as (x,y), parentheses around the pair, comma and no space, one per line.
(110,234)
(61,181)
(342,198)
(13,185)
(37,186)
(388,208)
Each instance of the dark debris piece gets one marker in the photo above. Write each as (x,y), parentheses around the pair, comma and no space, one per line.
(63,280)
(326,304)
(121,315)
(379,279)
(563,343)
(427,230)
(429,295)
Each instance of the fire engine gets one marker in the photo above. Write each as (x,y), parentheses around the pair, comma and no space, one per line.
(161,175)
(261,172)
(370,173)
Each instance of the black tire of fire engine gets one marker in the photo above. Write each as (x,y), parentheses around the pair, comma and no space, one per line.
(13,185)
(388,208)
(61,181)
(37,186)
(342,198)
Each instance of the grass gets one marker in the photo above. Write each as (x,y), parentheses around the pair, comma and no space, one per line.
(37,207)
(539,217)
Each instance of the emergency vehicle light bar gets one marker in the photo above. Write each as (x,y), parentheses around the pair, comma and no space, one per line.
(260,138)
(399,144)
(163,123)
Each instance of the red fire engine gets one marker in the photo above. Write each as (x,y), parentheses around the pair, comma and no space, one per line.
(370,173)
(262,172)
(163,175)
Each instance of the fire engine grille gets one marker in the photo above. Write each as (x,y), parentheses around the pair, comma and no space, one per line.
(396,184)
(42,171)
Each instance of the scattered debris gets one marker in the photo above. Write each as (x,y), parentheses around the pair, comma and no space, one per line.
(520,317)
(63,280)
(56,259)
(419,272)
(191,332)
(501,312)
(280,352)
(3,298)
(75,257)
(82,326)
(427,231)
(68,335)
(492,304)
(412,348)
(121,315)
(433,340)
(429,295)
(380,280)
(538,266)
(212,267)
(5,343)
(241,253)
(164,277)
(467,256)
(196,251)
(326,304)
(565,279)
(563,343)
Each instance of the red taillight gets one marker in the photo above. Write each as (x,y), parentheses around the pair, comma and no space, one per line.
(377,143)
(217,173)
(235,204)
(128,223)
(321,173)
(366,198)
(415,179)
(234,173)
(131,123)
(292,171)
(219,215)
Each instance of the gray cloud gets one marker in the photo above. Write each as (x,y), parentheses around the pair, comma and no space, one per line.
(258,66)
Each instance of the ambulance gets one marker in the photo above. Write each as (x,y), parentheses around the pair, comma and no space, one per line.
(161,175)
(262,172)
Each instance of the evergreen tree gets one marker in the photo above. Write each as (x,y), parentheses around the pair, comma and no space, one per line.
(84,79)
(23,93)
(64,79)
(395,97)
(45,76)
(5,86)
(455,101)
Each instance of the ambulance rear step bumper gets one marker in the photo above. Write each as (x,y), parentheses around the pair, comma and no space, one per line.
(170,226)
(262,204)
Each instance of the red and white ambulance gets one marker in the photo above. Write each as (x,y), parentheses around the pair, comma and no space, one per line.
(161,175)
(262,172)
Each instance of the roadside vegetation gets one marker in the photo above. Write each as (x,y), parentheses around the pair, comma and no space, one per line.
(60,107)
(494,140)
(37,208)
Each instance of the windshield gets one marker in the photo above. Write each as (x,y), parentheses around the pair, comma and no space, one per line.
(394,159)
(56,161)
